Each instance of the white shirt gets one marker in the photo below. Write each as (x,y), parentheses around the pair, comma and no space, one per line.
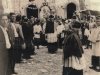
(94,34)
(60,28)
(37,28)
(87,32)
(8,45)
(14,28)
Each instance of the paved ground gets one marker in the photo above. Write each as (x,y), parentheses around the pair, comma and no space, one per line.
(49,64)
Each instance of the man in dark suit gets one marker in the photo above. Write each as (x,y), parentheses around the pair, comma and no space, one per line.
(4,45)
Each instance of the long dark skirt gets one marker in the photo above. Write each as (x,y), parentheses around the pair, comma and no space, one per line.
(12,61)
(71,71)
(60,42)
(37,41)
(17,50)
(52,47)
(96,61)
(43,40)
(29,49)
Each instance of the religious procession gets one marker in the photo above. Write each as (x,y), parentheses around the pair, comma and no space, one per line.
(49,37)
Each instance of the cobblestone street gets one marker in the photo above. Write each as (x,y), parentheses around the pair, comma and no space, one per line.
(49,64)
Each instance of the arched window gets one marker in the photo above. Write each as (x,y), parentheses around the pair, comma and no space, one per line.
(71,8)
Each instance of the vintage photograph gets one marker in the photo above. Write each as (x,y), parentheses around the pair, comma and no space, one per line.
(49,37)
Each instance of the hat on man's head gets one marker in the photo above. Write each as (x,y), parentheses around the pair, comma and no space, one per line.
(51,16)
(18,18)
(12,13)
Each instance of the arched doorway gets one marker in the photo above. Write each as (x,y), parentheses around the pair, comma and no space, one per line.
(71,8)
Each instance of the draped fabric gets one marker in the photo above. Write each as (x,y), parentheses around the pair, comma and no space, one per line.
(71,71)
(72,46)
(96,41)
(52,37)
(27,30)
(73,62)
(95,31)
(49,27)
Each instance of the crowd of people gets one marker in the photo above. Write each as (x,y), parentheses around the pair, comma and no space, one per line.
(19,36)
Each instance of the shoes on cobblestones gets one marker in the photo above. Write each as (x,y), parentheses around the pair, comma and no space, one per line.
(86,48)
(14,72)
(34,53)
(94,68)
(97,70)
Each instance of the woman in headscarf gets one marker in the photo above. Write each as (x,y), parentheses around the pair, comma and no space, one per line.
(73,51)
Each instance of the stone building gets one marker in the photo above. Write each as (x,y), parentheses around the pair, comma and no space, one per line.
(62,8)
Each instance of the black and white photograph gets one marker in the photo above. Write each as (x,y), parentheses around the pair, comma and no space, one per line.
(49,37)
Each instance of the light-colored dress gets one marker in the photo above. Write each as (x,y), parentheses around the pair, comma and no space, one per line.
(52,37)
(95,39)
(75,62)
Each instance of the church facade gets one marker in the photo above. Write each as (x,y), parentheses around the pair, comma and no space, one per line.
(62,8)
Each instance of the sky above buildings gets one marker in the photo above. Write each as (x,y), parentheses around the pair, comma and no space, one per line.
(95,4)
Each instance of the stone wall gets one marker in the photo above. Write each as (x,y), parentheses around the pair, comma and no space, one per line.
(19,6)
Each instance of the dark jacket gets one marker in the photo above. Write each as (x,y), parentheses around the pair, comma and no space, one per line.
(49,27)
(3,55)
(27,31)
(72,45)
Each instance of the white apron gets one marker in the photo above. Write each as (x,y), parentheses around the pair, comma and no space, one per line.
(95,35)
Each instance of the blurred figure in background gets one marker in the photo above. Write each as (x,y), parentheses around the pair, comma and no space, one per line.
(73,51)
(95,46)
(86,36)
(37,29)
(51,33)
(60,32)
(27,29)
